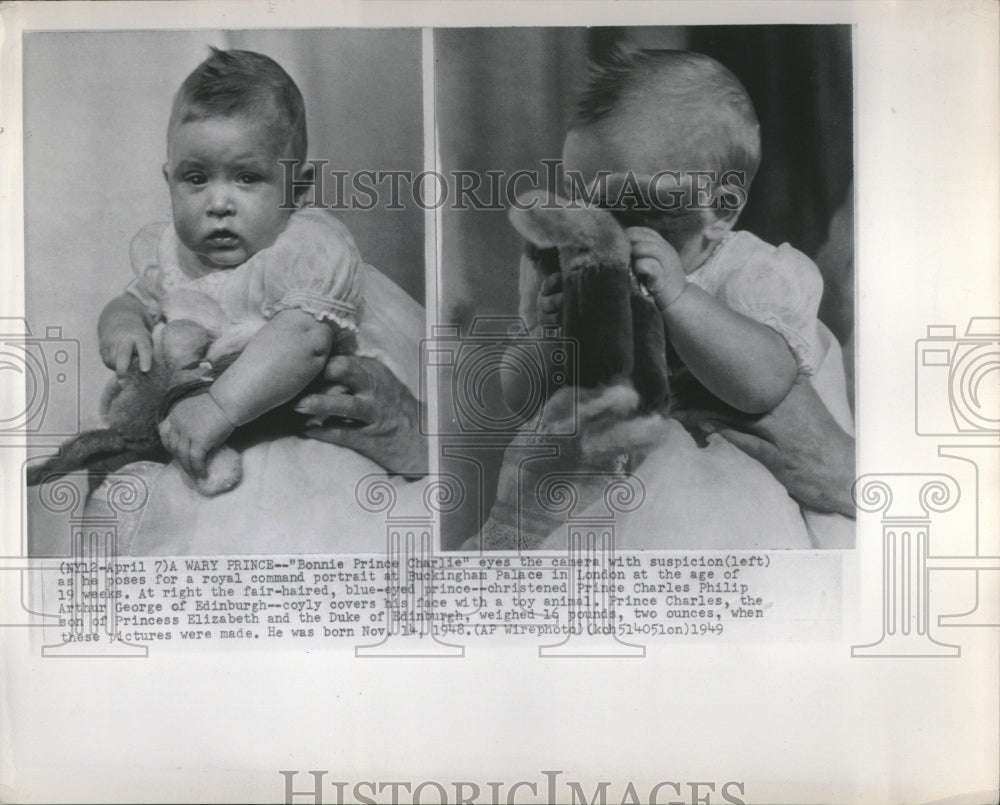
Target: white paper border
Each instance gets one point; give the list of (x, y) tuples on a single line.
[(801, 723)]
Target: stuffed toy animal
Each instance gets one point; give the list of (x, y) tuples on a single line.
[(617, 327), (133, 407), (623, 379)]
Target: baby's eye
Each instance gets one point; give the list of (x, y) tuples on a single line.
[(248, 178), (194, 178)]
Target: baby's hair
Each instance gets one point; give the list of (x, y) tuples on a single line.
[(698, 109), (241, 82)]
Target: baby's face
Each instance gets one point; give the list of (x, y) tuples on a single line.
[(589, 151), (226, 188)]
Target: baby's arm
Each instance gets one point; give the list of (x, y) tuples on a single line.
[(287, 353), (124, 328), (284, 356), (744, 363)]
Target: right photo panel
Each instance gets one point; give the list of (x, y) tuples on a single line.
[(646, 274)]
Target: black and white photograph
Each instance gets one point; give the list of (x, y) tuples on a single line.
[(184, 236), (585, 402), (606, 329)]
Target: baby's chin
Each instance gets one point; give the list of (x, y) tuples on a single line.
[(222, 259)]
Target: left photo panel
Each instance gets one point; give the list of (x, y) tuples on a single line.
[(223, 310)]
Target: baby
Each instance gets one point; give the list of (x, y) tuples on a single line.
[(272, 289), (739, 313), (669, 142)]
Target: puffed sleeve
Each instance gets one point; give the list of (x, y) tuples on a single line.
[(144, 252), (315, 267), (780, 288)]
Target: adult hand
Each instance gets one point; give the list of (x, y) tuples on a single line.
[(581, 436), (372, 412), (799, 442)]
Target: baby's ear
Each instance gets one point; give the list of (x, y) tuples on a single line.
[(166, 172), (547, 221)]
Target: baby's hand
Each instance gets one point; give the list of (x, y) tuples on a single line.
[(119, 342), (194, 427), (657, 265)]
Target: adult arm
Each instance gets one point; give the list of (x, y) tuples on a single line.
[(800, 443)]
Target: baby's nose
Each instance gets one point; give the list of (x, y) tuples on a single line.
[(220, 201)]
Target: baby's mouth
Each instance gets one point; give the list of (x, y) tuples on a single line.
[(223, 238)]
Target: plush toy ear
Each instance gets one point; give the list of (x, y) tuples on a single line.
[(583, 235), (619, 333)]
